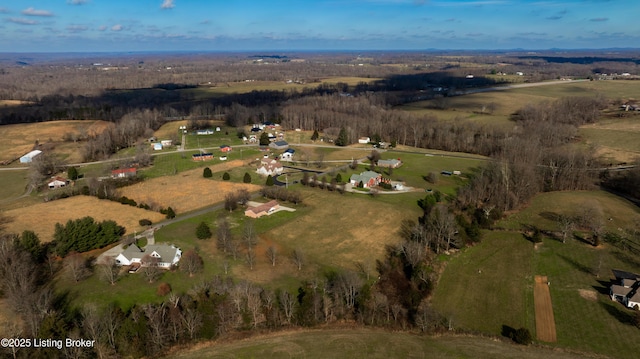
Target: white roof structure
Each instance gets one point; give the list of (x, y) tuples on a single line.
[(27, 158)]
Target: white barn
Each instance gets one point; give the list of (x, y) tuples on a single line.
[(27, 158)]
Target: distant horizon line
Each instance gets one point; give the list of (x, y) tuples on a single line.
[(555, 49)]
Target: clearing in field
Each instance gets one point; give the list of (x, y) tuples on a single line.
[(20, 139), (186, 191), (545, 323), (41, 218)]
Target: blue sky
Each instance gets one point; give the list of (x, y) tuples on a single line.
[(232, 25)]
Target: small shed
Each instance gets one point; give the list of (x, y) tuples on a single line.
[(157, 146), (225, 148)]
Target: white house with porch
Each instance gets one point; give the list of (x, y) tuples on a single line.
[(163, 255)]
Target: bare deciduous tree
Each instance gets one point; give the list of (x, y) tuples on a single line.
[(191, 262), (298, 258), (272, 254)]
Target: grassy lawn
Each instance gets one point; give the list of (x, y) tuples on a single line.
[(489, 285), (543, 207), (366, 343), (14, 184)]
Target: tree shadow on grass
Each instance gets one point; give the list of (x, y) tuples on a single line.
[(579, 266), (581, 238), (507, 331), (603, 288), (551, 216), (624, 316)]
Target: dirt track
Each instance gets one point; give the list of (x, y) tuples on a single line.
[(545, 323)]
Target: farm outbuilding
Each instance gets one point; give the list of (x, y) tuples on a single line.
[(279, 145), (27, 158), (225, 148), (202, 156), (57, 182), (124, 172)]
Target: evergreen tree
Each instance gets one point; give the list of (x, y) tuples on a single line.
[(264, 139), (170, 213), (246, 178), (226, 176), (270, 181), (339, 178), (203, 231), (315, 135), (206, 173), (343, 138), (72, 173)]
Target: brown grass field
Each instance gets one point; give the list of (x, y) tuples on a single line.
[(41, 218), (186, 191), (19, 139), (545, 323)]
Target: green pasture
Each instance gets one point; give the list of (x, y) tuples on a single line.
[(543, 209), (14, 184), (613, 89), (193, 141), (619, 139), (491, 284), (367, 343)]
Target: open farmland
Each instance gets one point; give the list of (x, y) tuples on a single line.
[(615, 139), (41, 218), (367, 343), (491, 284), (185, 191), (20, 139)]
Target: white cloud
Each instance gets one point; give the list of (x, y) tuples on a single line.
[(167, 4), (77, 28), (22, 21), (77, 2), (4, 10), (117, 27), (102, 28), (34, 12)]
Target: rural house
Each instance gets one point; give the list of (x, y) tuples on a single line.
[(27, 158), (364, 140), (269, 168), (627, 290), (368, 178), (264, 209), (287, 155), (124, 172), (225, 148), (58, 182), (164, 255)]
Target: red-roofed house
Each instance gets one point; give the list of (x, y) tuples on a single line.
[(58, 182)]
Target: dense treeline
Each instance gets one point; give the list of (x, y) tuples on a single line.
[(85, 234)]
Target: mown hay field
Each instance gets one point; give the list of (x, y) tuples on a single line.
[(366, 343), (20, 139), (616, 139), (187, 190), (41, 218)]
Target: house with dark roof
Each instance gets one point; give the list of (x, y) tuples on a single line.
[(288, 154), (626, 289)]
